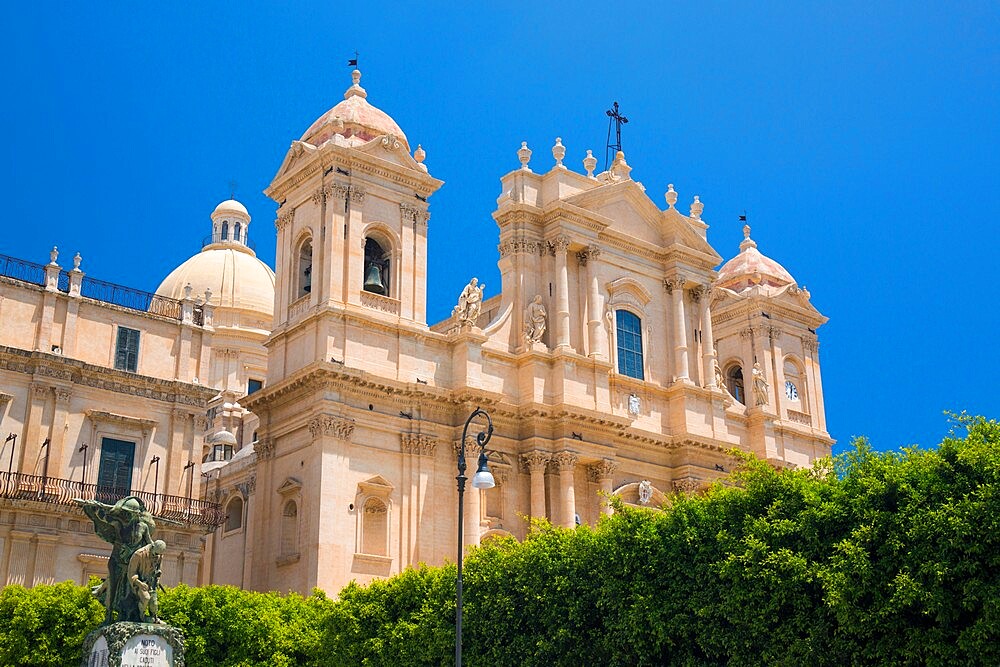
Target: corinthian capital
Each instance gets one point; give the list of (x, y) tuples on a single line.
[(536, 461), (601, 470), (565, 461), (675, 283)]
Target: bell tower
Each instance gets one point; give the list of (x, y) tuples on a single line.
[(352, 230)]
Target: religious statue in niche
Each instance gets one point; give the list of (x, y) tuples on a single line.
[(534, 321), (645, 491), (470, 303), (759, 385), (720, 377), (634, 404), (134, 567)]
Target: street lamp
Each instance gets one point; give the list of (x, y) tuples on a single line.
[(483, 479)]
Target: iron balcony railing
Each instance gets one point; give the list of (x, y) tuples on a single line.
[(99, 290), (22, 270), (189, 511), (217, 238)]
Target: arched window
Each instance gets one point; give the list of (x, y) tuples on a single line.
[(290, 529), (237, 230), (225, 230), (376, 278), (794, 387), (234, 514), (305, 268), (375, 528), (629, 335), (734, 382)]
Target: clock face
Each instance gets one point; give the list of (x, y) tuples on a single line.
[(791, 391)]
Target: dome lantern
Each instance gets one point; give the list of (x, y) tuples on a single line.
[(230, 226)]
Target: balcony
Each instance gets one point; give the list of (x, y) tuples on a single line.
[(98, 290), (55, 491)]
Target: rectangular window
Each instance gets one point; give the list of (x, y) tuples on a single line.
[(114, 476), (629, 330), (254, 385), (127, 350)]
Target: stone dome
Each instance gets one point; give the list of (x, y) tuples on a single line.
[(751, 268), (354, 119), (229, 268), (231, 206)]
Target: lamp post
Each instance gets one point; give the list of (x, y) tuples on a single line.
[(11, 437), (188, 466), (156, 479), (83, 475), (483, 479), (45, 468)]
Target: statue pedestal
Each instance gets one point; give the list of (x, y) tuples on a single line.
[(129, 644)]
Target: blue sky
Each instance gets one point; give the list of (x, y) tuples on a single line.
[(862, 138)]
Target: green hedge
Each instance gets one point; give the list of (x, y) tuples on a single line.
[(869, 559)]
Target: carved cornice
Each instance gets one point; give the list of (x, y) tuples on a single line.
[(138, 423), (337, 427), (38, 364), (535, 462), (419, 444), (596, 472)]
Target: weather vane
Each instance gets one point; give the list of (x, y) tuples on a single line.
[(616, 119), (232, 189), (353, 62)]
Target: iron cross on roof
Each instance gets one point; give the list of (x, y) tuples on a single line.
[(616, 119)]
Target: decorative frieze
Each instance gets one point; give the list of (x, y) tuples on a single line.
[(418, 444), (602, 470), (337, 427), (799, 418)]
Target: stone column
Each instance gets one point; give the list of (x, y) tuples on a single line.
[(19, 565), (814, 383), (32, 441), (559, 246), (473, 500), (707, 338), (56, 447), (535, 462), (566, 464), (45, 560), (601, 473), (777, 369), (597, 336), (675, 286)]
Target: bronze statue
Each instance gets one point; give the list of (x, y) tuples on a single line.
[(130, 588)]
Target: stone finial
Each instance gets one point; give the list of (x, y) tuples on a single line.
[(747, 241), (696, 208), (208, 294), (671, 195), (187, 291), (524, 155), (356, 89), (76, 261), (559, 152), (590, 163), (53, 256), (420, 155)]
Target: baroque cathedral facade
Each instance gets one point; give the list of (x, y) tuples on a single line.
[(315, 415)]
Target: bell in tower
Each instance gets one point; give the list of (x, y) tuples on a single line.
[(376, 267)]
